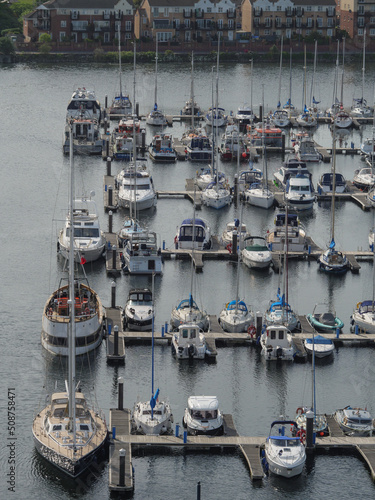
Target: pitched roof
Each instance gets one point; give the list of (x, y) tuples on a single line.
[(83, 4)]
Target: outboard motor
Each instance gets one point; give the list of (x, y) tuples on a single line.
[(279, 352), (191, 350)]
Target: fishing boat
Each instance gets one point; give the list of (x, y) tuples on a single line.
[(193, 233), (135, 186), (142, 254), (122, 147), (89, 240), (265, 134), (333, 261), (189, 342), (325, 183), (121, 105), (256, 253), (86, 136), (156, 117), (355, 421), (319, 345), (84, 101), (324, 321), (203, 416), (129, 128), (67, 432), (161, 149), (152, 417), (285, 454), (88, 310), (139, 310), (277, 343), (287, 225)]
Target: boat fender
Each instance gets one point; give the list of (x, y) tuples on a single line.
[(252, 331), (358, 305), (302, 435)]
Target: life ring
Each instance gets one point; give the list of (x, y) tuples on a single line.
[(251, 330), (299, 411), (358, 305), (302, 435), (229, 247)]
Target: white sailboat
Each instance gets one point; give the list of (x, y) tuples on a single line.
[(152, 417), (307, 118), (342, 118), (280, 117), (156, 117), (67, 432), (333, 261), (359, 107)]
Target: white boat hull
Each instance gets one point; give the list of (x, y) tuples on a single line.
[(259, 198)]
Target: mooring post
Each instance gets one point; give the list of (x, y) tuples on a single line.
[(122, 467), (260, 113), (162, 331), (120, 405), (110, 221), (185, 437), (109, 162), (199, 490), (309, 429), (137, 109), (166, 327), (114, 255), (234, 243), (143, 140), (113, 432), (177, 432), (110, 196), (337, 333), (113, 294), (115, 340)]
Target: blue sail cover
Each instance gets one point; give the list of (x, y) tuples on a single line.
[(314, 101), (332, 244), (154, 399), (231, 306)]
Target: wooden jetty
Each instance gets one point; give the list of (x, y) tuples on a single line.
[(113, 263), (125, 443), (113, 319)]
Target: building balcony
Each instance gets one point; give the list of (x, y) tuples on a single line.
[(159, 25), (199, 13), (331, 12), (79, 26), (43, 14), (188, 13), (289, 12), (231, 14), (258, 12)]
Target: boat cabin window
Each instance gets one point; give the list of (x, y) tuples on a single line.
[(274, 334), (57, 427), (300, 188), (139, 187), (84, 427), (84, 232), (285, 442), (204, 415), (193, 333), (185, 333), (361, 421)]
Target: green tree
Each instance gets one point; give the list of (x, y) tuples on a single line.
[(6, 45), (7, 18)]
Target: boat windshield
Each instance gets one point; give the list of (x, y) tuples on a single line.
[(84, 232), (360, 421), (300, 188), (290, 442), (204, 415), (133, 187)]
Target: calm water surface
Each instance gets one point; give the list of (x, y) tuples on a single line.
[(33, 201)]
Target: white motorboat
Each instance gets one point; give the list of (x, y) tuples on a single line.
[(86, 136), (84, 101), (142, 254), (299, 192), (135, 187), (276, 237), (277, 343), (152, 417), (189, 342), (363, 317), (371, 239), (89, 240), (67, 432), (305, 150), (161, 148), (187, 311), (325, 184), (256, 253), (233, 227), (236, 317), (216, 195), (280, 312), (290, 168), (319, 345), (285, 454), (130, 225), (355, 421), (244, 116), (364, 178), (193, 233), (367, 147), (203, 416), (156, 117), (139, 310)]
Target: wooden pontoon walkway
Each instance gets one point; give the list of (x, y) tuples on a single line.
[(249, 446)]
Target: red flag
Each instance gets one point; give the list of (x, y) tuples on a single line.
[(83, 260)]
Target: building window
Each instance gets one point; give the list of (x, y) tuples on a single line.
[(156, 11), (220, 24), (268, 8), (372, 20), (128, 36), (128, 25), (220, 10), (320, 8), (63, 24), (230, 24), (96, 12), (268, 22), (372, 32), (62, 36), (309, 22), (319, 22), (177, 10), (266, 32), (106, 37), (361, 21), (166, 11), (164, 36), (209, 10), (278, 8), (74, 14), (308, 8), (361, 10), (84, 36), (298, 22), (187, 23), (360, 32)]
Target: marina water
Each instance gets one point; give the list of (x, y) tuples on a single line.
[(34, 197)]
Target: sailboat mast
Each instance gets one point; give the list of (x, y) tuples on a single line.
[(71, 331), (342, 75), (304, 80), (281, 65), (192, 255), (363, 65), (192, 91), (333, 186), (156, 74), (290, 81), (251, 94), (217, 111), (152, 345), (119, 59), (134, 142), (313, 376), (336, 74), (313, 78)]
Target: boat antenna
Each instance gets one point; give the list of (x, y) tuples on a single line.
[(71, 329)]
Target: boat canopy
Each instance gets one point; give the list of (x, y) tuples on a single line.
[(190, 302), (231, 306), (292, 219), (197, 222)]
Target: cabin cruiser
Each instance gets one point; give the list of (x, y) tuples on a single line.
[(354, 421), (363, 317), (285, 452), (364, 178), (319, 346), (189, 342), (139, 309), (305, 150), (255, 253), (291, 167), (233, 227), (86, 136), (276, 237), (130, 226), (142, 255), (198, 146), (161, 148), (89, 241), (193, 233), (277, 344), (135, 187), (89, 317), (299, 192), (84, 101), (203, 416), (244, 116)]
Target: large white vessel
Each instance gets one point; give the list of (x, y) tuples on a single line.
[(136, 187), (203, 416)]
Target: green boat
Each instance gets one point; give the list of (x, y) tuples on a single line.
[(324, 321)]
